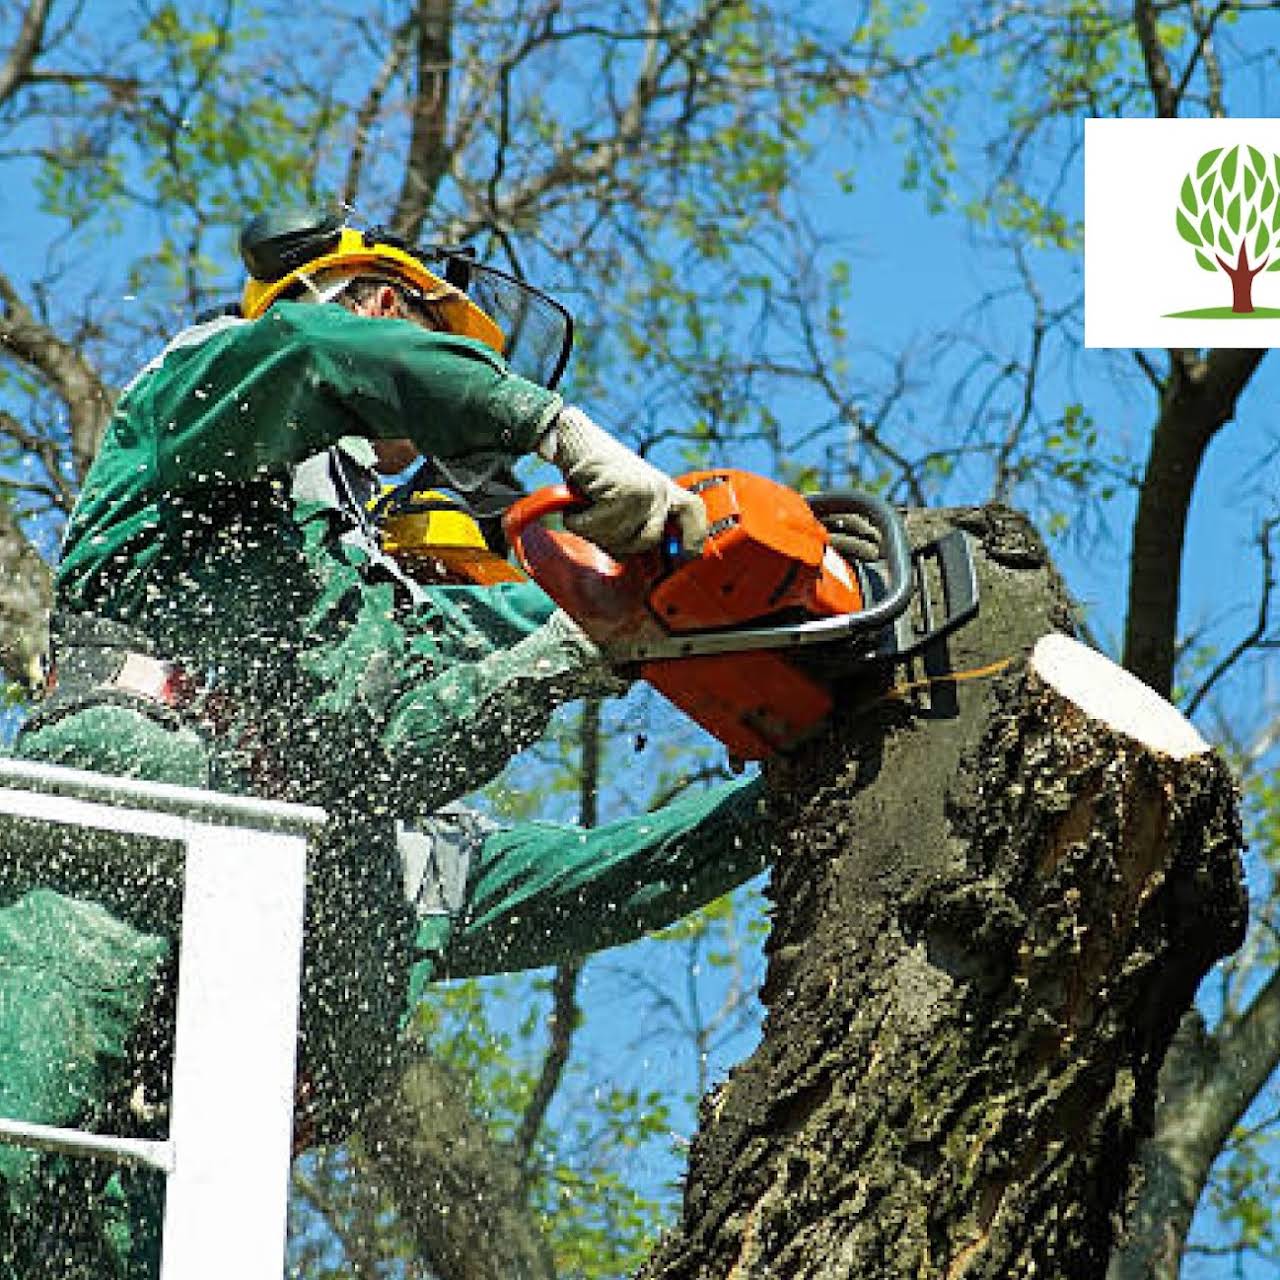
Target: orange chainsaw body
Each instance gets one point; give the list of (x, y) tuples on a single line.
[(767, 556)]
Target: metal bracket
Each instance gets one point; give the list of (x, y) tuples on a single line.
[(943, 567)]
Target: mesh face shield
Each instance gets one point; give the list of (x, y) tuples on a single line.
[(537, 330)]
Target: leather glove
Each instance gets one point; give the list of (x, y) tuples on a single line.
[(854, 536), (631, 500)]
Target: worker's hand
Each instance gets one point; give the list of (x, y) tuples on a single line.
[(631, 500), (854, 536)]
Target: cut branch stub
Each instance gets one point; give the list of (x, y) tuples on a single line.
[(995, 897)]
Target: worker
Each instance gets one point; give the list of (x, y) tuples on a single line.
[(226, 618)]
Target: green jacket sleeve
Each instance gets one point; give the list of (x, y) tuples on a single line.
[(255, 398), (543, 893), (456, 730)]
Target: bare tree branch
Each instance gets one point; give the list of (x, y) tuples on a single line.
[(17, 66), (371, 106), (1159, 78), (564, 1019), (1255, 635), (1198, 399), (429, 153), (73, 377)]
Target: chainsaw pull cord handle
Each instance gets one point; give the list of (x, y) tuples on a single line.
[(893, 538)]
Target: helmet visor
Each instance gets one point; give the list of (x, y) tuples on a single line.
[(537, 330)]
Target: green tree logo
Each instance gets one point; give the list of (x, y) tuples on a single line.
[(1228, 211)]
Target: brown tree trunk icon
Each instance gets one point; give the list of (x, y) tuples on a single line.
[(1241, 281)]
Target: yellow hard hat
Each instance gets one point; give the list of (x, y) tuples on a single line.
[(435, 538), (346, 252), (314, 254)]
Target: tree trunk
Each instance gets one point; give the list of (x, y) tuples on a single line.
[(1242, 292), (459, 1191), (24, 606), (996, 895), (1241, 281)]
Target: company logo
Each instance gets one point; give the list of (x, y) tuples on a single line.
[(1182, 233), (1229, 213)]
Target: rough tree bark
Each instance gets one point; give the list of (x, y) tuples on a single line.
[(996, 897), (24, 605)]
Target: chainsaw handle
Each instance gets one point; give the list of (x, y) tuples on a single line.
[(893, 540), (534, 508), (540, 504)]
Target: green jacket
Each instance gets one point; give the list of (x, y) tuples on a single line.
[(187, 530), (375, 697)]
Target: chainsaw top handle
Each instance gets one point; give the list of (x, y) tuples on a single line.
[(895, 553), (537, 506), (878, 615)]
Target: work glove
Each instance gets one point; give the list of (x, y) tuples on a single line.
[(854, 536), (631, 500)]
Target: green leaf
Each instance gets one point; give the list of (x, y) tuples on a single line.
[(1205, 263), (1187, 231), (1189, 196), (1262, 241), (1206, 227), (1233, 214), (1258, 160), (1275, 266), (1229, 168), (1202, 165), (1253, 217), (1223, 243), (1206, 187), (1268, 194), (1250, 184), (1219, 203)]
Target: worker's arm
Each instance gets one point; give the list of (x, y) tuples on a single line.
[(542, 893), (253, 399), (464, 707)]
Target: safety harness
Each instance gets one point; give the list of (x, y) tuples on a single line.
[(96, 661)]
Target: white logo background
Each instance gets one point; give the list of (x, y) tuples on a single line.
[(1137, 268)]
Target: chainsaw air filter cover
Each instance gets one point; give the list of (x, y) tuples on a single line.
[(766, 554)]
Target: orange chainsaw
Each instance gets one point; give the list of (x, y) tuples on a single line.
[(745, 636)]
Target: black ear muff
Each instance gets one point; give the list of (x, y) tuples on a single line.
[(274, 244), (457, 267)]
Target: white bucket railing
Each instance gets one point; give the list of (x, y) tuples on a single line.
[(243, 861)]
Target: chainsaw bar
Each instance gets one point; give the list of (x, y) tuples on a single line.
[(938, 579)]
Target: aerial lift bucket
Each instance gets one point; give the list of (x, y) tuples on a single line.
[(239, 867)]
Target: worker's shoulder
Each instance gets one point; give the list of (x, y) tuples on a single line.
[(197, 337)]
